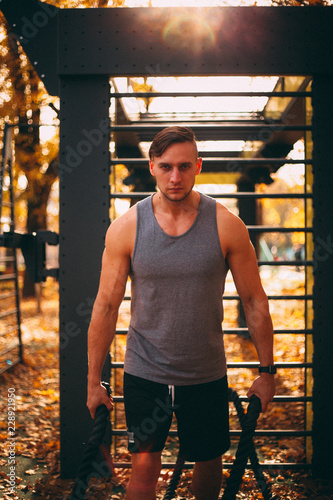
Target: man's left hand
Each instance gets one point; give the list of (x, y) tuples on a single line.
[(264, 388)]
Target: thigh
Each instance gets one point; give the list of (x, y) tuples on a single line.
[(202, 413), (148, 414)]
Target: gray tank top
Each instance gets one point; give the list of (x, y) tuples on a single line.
[(175, 335)]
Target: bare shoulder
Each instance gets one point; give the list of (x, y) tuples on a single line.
[(232, 230), (121, 232), (227, 220)]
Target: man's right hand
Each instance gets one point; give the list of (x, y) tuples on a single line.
[(97, 395)]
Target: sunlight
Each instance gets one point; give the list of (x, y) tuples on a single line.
[(194, 3), (190, 107), (293, 175)]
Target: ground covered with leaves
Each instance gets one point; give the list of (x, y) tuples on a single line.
[(37, 454)]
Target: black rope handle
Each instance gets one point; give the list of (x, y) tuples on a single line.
[(245, 449), (249, 423), (91, 449), (173, 483), (250, 449)]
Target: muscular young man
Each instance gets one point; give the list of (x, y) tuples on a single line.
[(177, 246)]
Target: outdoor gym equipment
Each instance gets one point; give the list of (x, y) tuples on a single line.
[(245, 450)]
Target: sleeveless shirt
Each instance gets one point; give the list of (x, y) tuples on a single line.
[(175, 335)]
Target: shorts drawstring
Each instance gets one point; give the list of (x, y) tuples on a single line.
[(172, 395)]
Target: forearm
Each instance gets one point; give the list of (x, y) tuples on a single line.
[(261, 330), (260, 326), (100, 336)]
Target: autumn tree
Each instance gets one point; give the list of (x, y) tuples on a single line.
[(22, 95)]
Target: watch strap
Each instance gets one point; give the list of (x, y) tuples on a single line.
[(268, 369)]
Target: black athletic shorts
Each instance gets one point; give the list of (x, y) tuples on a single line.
[(201, 411)]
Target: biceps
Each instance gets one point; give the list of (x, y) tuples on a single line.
[(113, 280), (245, 272)]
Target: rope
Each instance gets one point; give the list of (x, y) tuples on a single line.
[(173, 483), (91, 450), (249, 449), (246, 449)]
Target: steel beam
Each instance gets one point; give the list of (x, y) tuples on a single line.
[(34, 24), (172, 41), (323, 272), (84, 219), (200, 41)]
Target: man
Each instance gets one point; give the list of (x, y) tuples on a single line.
[(177, 247)]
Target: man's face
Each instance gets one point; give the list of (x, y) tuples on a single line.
[(175, 170)]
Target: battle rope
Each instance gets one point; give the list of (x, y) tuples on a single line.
[(91, 449), (245, 449), (173, 483)]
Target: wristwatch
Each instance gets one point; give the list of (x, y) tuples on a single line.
[(268, 369)]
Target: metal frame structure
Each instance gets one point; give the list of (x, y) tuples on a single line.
[(9, 283), (205, 127), (75, 52)]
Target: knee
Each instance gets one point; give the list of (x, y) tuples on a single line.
[(207, 479), (145, 472)]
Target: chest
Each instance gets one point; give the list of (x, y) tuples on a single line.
[(165, 258), (175, 226)]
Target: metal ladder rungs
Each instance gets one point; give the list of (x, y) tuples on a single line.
[(6, 185), (8, 313), (9, 348)]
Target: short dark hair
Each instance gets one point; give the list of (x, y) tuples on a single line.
[(168, 136)]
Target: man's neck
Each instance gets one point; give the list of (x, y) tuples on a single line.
[(176, 208)]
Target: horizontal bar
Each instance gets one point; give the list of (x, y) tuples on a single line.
[(31, 125), (10, 348), (236, 432), (222, 161), (290, 297), (280, 331), (276, 399), (271, 297), (7, 295), (7, 277), (255, 364), (280, 229), (297, 263), (7, 259), (211, 94), (216, 118), (243, 364), (226, 465), (241, 331), (7, 204), (53, 273), (10, 330), (211, 126), (8, 313), (258, 196)]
